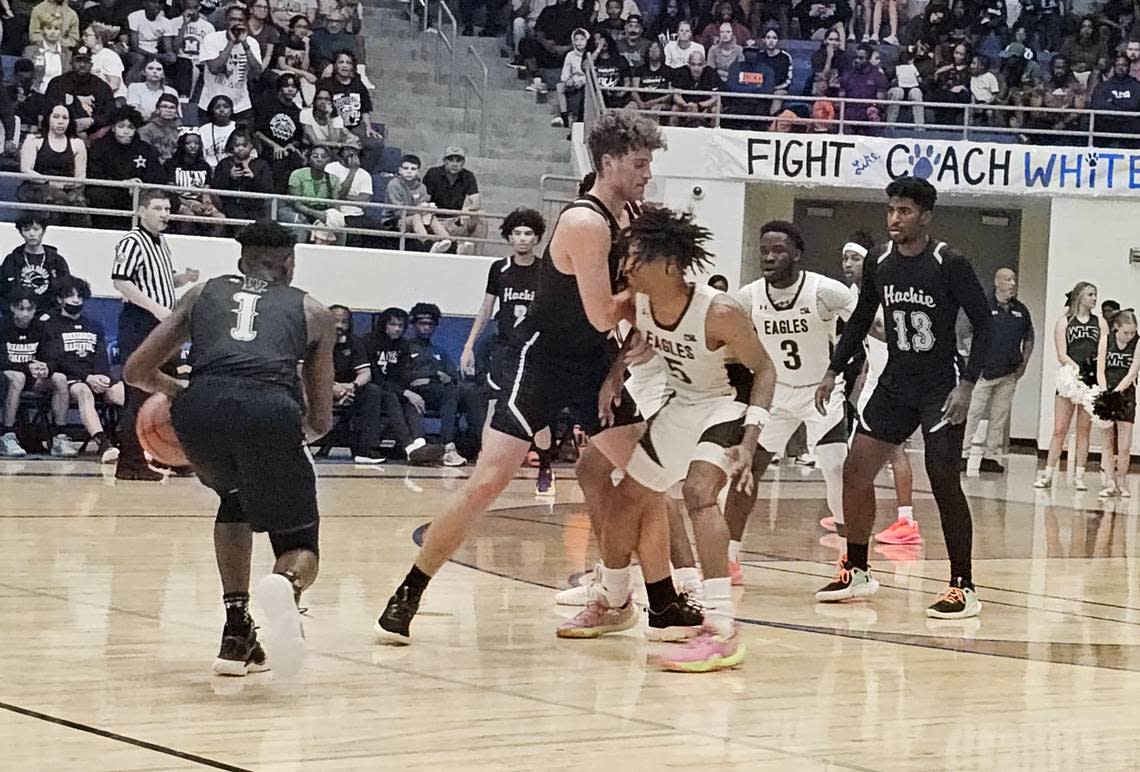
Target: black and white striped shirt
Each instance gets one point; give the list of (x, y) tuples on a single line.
[(144, 260)]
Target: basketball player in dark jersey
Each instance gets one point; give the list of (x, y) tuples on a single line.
[(243, 422), (564, 359), (921, 284), (511, 284)]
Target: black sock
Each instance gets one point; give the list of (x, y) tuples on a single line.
[(416, 581), (962, 581), (946, 484), (544, 455), (237, 610), (566, 120), (857, 555), (661, 594)]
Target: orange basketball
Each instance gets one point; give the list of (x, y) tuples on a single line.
[(156, 432)]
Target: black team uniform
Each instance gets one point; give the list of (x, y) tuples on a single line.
[(400, 418), (349, 358), (921, 296)]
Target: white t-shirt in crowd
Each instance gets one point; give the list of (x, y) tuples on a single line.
[(214, 140), (907, 75), (53, 67), (321, 132), (150, 32), (196, 32), (233, 81), (985, 88), (675, 56), (361, 183), (105, 63), (145, 100)]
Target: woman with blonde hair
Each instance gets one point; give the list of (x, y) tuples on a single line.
[(1080, 337), (106, 64)]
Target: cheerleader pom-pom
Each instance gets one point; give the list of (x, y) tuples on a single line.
[(1069, 383), (1087, 374), (1111, 406)]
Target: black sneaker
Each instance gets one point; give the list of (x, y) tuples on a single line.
[(989, 465), (240, 653), (392, 626), (958, 602), (426, 454), (679, 620)]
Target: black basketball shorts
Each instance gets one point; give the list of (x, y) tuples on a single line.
[(892, 414), (246, 440), (540, 383)]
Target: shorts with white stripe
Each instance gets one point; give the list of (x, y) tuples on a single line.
[(684, 431), (540, 384)]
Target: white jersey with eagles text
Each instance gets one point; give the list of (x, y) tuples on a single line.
[(796, 324), (694, 371)]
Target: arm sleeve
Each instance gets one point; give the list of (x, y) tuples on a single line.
[(859, 324), (493, 278), (972, 299), (790, 65)]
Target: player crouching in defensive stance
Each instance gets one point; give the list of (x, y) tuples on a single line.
[(702, 434), (243, 423)]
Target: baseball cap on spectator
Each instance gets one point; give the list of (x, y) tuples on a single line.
[(454, 151), (81, 51), (751, 45), (1015, 49), (633, 17)]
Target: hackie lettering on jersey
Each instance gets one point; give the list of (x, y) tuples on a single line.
[(893, 296), (517, 296), (666, 346)]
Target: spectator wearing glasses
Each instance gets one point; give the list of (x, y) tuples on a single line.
[(164, 128), (144, 96), (263, 30), (106, 64)]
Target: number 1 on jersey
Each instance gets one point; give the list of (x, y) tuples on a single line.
[(246, 312)]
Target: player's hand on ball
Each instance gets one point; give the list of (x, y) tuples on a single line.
[(823, 392), (957, 405)]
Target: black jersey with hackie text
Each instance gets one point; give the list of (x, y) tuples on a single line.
[(242, 327), (514, 287), (920, 296)]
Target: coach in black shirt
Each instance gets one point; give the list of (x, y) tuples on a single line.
[(1003, 365), (354, 393)]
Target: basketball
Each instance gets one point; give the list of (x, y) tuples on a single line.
[(156, 432)]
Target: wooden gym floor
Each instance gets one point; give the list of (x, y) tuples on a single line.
[(112, 617)]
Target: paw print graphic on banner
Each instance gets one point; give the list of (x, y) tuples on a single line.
[(922, 162)]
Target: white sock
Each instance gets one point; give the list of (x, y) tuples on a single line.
[(720, 611), (829, 461), (683, 576), (1047, 471), (906, 513), (1080, 471), (615, 585), (734, 551)]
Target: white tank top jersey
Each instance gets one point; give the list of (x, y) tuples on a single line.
[(694, 372), (875, 348), (798, 333)]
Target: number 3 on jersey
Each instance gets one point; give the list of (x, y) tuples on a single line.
[(791, 349), (246, 313), (923, 337)]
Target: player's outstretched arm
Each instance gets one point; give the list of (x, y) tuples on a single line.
[(583, 240), (143, 369), (317, 371)]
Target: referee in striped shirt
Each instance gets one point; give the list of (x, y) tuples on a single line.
[(143, 274)]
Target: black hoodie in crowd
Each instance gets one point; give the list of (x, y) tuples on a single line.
[(36, 272), (19, 347), (109, 159), (75, 347)]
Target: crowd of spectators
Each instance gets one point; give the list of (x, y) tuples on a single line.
[(1033, 57)]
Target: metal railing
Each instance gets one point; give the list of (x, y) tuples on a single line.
[(1088, 134), (273, 201), (451, 44), (557, 191), (481, 93)]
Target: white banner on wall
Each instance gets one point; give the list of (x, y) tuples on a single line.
[(951, 166)]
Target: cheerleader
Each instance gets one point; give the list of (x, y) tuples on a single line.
[(1118, 404), (1080, 337)]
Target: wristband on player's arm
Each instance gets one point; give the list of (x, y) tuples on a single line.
[(756, 416)]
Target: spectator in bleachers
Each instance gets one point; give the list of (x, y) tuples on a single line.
[(677, 51), (293, 57), (951, 83), (434, 376), (863, 82), (1042, 19), (780, 61), (351, 100), (906, 86), (143, 96), (725, 53), (829, 62), (89, 99), (403, 408), (991, 18), (725, 12), (451, 186), (406, 189), (106, 64), (696, 77), (613, 22), (543, 54), (571, 85), (164, 127), (753, 75), (1061, 91), (49, 56), (329, 40), (189, 30), (961, 25), (354, 393), (22, 366), (283, 11), (262, 29), (628, 8), (240, 171), (110, 13), (56, 152), (653, 74), (632, 45), (933, 25), (121, 155), (1120, 93), (1132, 51), (152, 36), (27, 104), (188, 168), (1084, 50), (349, 11), (876, 21), (278, 129), (818, 17), (667, 24), (611, 69), (323, 126), (524, 17), (75, 350), (233, 61), (984, 88), (215, 132), (57, 12), (355, 185), (34, 266), (312, 181)]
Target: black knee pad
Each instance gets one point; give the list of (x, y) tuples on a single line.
[(303, 538), (229, 510)]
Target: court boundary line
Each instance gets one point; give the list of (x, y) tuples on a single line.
[(121, 738)]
